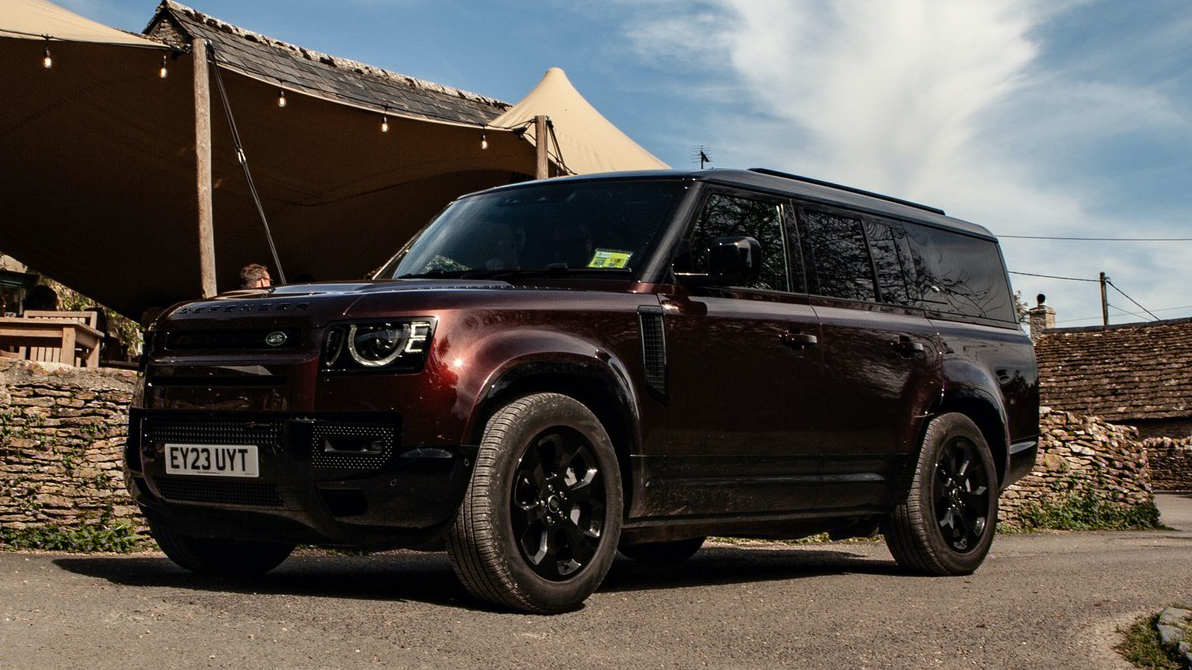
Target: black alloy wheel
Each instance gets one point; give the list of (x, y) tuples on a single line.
[(946, 523), (961, 494), (557, 505), (539, 524)]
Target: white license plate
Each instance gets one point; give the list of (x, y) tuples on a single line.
[(219, 460)]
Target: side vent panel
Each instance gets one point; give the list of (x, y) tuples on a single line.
[(653, 347)]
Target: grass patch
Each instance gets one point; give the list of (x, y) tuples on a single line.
[(1142, 647), (120, 537), (1088, 510)]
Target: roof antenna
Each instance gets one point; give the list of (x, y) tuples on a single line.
[(700, 153)]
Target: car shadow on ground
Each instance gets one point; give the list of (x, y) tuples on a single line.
[(720, 565), (428, 577)]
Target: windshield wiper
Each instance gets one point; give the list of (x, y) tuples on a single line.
[(550, 270)]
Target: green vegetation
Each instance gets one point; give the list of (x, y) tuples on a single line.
[(1142, 647), (118, 537), (1088, 510)]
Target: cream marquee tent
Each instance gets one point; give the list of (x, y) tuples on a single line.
[(98, 161)]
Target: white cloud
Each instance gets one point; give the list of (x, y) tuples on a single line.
[(937, 100)]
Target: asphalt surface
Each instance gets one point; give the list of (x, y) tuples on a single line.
[(1051, 600)]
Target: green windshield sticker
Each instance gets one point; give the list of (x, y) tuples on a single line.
[(607, 258)]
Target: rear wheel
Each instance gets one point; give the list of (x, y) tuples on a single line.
[(538, 527), (946, 524), (675, 551), (227, 558)]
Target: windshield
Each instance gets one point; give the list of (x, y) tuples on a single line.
[(593, 226)]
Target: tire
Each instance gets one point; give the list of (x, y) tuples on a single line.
[(946, 524), (675, 551), (224, 558), (539, 524)]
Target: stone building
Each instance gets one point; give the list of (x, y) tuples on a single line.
[(1136, 374)]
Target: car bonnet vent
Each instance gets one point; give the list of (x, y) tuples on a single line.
[(653, 347)]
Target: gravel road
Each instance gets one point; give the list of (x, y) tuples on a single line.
[(1050, 600)]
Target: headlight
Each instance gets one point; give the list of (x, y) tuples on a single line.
[(398, 345)]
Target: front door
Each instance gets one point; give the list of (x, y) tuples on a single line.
[(742, 362)]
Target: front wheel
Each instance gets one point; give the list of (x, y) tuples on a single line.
[(539, 524), (225, 558), (946, 524)]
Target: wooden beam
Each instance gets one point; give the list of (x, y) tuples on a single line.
[(542, 142), (203, 168)]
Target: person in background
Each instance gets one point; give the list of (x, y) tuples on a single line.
[(41, 297), (255, 275)]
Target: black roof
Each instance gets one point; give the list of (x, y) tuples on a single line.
[(298, 69), (805, 189)]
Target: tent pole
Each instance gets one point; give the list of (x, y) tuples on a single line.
[(541, 140), (203, 168)]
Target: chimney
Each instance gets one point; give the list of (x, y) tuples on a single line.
[(1041, 317)]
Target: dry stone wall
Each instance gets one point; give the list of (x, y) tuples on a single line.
[(62, 430), (1171, 463), (62, 433), (1081, 455)]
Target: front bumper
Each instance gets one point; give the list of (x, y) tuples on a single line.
[(317, 484)]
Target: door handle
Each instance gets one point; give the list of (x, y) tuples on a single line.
[(906, 347), (799, 340)]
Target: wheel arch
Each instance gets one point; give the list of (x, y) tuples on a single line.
[(990, 416), (599, 385)]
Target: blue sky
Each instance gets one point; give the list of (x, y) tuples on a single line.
[(1048, 117)]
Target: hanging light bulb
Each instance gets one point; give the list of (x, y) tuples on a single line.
[(163, 72), (47, 62), (281, 97), (483, 140), (385, 124)]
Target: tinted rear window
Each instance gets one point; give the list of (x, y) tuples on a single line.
[(959, 274)]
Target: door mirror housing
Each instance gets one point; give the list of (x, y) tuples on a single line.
[(734, 261)]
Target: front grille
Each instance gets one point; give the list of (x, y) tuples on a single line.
[(213, 431), (263, 338), (240, 494)]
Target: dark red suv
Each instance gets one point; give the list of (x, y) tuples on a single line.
[(554, 371)]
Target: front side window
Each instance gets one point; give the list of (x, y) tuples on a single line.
[(590, 227), (836, 256), (734, 216)]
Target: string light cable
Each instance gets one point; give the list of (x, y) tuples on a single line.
[(360, 102)]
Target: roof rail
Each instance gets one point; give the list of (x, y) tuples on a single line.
[(850, 189)]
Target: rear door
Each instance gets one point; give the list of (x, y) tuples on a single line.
[(881, 360)]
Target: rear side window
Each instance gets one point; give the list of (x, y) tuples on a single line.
[(887, 245), (835, 256), (734, 216), (959, 274)]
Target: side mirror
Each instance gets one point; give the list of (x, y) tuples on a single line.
[(734, 261)]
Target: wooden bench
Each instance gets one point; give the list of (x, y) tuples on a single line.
[(54, 337)]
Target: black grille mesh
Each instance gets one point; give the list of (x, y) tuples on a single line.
[(240, 494), (653, 348), (321, 458), (213, 431)]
